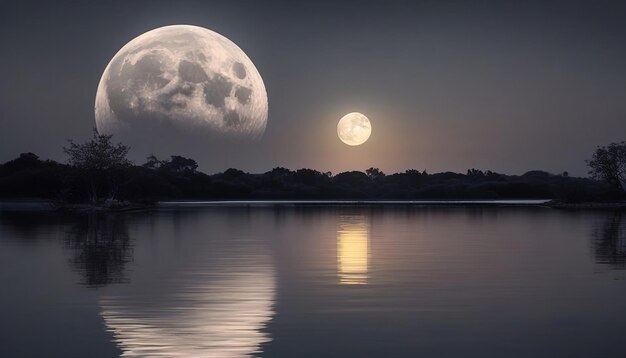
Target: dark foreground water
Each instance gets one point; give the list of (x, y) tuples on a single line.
[(297, 281)]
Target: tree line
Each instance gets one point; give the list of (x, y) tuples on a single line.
[(98, 171)]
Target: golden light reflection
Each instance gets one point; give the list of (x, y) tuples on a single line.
[(353, 250)]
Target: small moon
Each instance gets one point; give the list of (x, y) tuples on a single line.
[(354, 129), (181, 77)]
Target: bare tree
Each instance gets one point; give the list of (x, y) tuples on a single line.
[(609, 164), (100, 162)]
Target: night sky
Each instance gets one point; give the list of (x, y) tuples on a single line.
[(447, 85)]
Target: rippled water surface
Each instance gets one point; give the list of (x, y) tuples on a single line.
[(321, 281)]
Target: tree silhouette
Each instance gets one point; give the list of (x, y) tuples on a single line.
[(101, 248), (180, 164), (475, 173), (374, 173), (610, 241), (177, 164), (99, 168), (100, 163), (609, 164), (152, 162)]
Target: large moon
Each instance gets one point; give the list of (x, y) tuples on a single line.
[(354, 129), (182, 77)]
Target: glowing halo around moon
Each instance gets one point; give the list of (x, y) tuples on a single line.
[(182, 77), (354, 129)]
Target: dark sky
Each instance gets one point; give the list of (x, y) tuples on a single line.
[(506, 86)]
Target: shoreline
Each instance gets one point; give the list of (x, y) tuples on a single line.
[(207, 203), (588, 206), (43, 205)]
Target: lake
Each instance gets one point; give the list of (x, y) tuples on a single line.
[(313, 281)]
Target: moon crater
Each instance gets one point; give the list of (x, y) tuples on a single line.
[(354, 129), (184, 76)]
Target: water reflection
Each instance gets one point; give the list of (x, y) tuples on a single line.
[(196, 296), (101, 249), (353, 250), (223, 317), (610, 241), (237, 282)]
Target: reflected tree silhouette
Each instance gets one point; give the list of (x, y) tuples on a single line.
[(101, 249), (610, 242)]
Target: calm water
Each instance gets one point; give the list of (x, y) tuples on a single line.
[(317, 281)]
